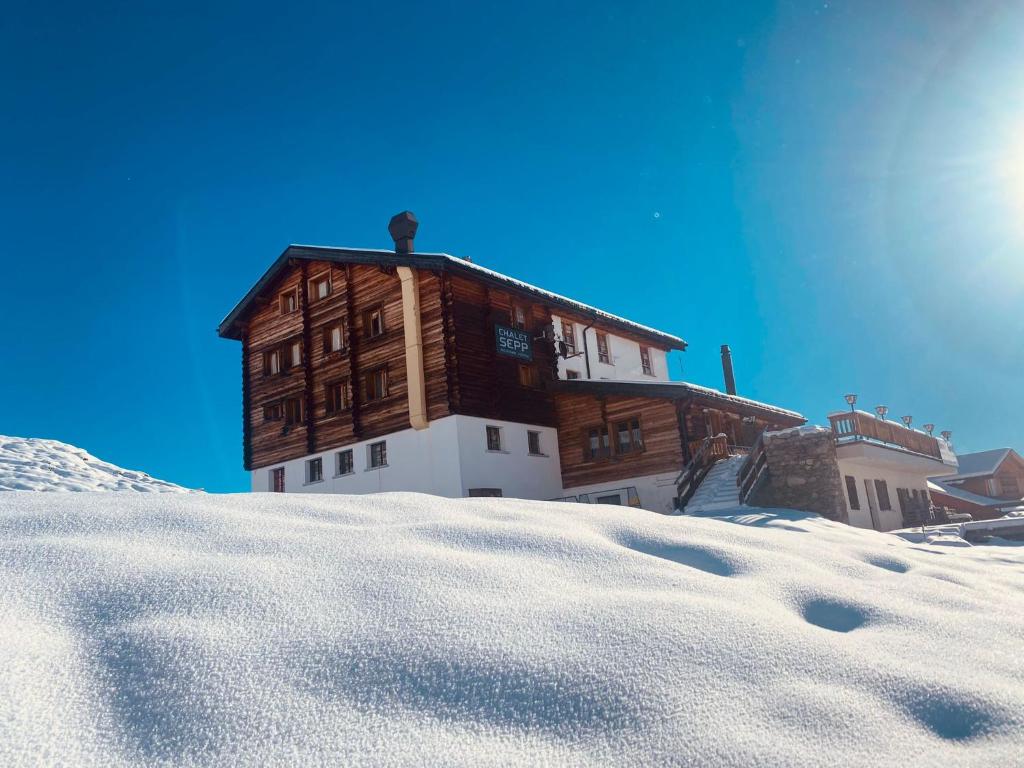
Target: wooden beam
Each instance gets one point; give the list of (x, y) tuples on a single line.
[(307, 361)]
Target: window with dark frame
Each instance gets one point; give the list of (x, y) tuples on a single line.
[(272, 412), (320, 287), (484, 493), (569, 337), (378, 454), (346, 465), (851, 491), (272, 362), (533, 442), (882, 491), (519, 316), (602, 348), (629, 438), (292, 411), (373, 322), (277, 480), (645, 360), (336, 397), (334, 338), (314, 470), (597, 444), (493, 438), (375, 384), (289, 301), (572, 374)]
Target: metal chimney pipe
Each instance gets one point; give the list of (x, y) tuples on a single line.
[(403, 228), (730, 378)]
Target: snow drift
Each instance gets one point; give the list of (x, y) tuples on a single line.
[(32, 464), (402, 629)]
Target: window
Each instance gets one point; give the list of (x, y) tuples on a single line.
[(572, 374), (602, 348), (320, 287), (597, 445), (314, 470), (485, 492), (289, 301), (628, 436), (527, 375), (277, 480), (1007, 487), (272, 412), (292, 411), (569, 337), (493, 438), (336, 397), (882, 491), (645, 360), (378, 454), (334, 338), (346, 466), (294, 354), (533, 442), (519, 317), (376, 384), (373, 322), (903, 497), (610, 499), (272, 362), (851, 491)]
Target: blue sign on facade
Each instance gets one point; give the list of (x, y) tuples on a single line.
[(513, 342)]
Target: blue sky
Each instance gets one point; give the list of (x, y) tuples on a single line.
[(834, 189)]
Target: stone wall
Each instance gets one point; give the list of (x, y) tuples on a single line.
[(802, 472)]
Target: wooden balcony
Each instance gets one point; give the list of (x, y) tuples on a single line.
[(858, 425)]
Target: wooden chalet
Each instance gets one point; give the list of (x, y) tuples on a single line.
[(368, 370)]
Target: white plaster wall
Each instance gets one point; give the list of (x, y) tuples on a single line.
[(424, 461), (875, 463), (624, 355), (518, 474), (657, 492), (446, 459)]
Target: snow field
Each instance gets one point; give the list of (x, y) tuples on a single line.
[(402, 629)]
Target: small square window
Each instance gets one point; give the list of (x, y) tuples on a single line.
[(292, 411), (533, 442), (272, 412), (378, 454), (572, 375), (373, 322), (314, 470), (336, 397), (320, 287), (346, 466), (528, 375), (289, 302), (493, 438), (376, 384)]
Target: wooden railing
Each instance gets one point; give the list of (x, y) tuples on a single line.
[(752, 469), (858, 425), (710, 450)]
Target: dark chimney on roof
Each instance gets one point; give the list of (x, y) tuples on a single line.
[(403, 229), (730, 379)]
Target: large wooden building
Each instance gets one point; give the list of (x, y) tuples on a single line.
[(370, 370)]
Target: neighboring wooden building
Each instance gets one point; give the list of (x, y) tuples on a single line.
[(366, 370), (985, 485)]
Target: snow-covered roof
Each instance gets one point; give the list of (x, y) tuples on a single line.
[(437, 261), (675, 389), (979, 464)]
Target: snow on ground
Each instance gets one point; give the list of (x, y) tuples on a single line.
[(401, 629), (32, 464)]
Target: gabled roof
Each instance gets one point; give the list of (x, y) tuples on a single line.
[(441, 262), (677, 390), (980, 464), (936, 486)]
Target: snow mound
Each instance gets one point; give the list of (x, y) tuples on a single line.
[(401, 629), (32, 464)]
